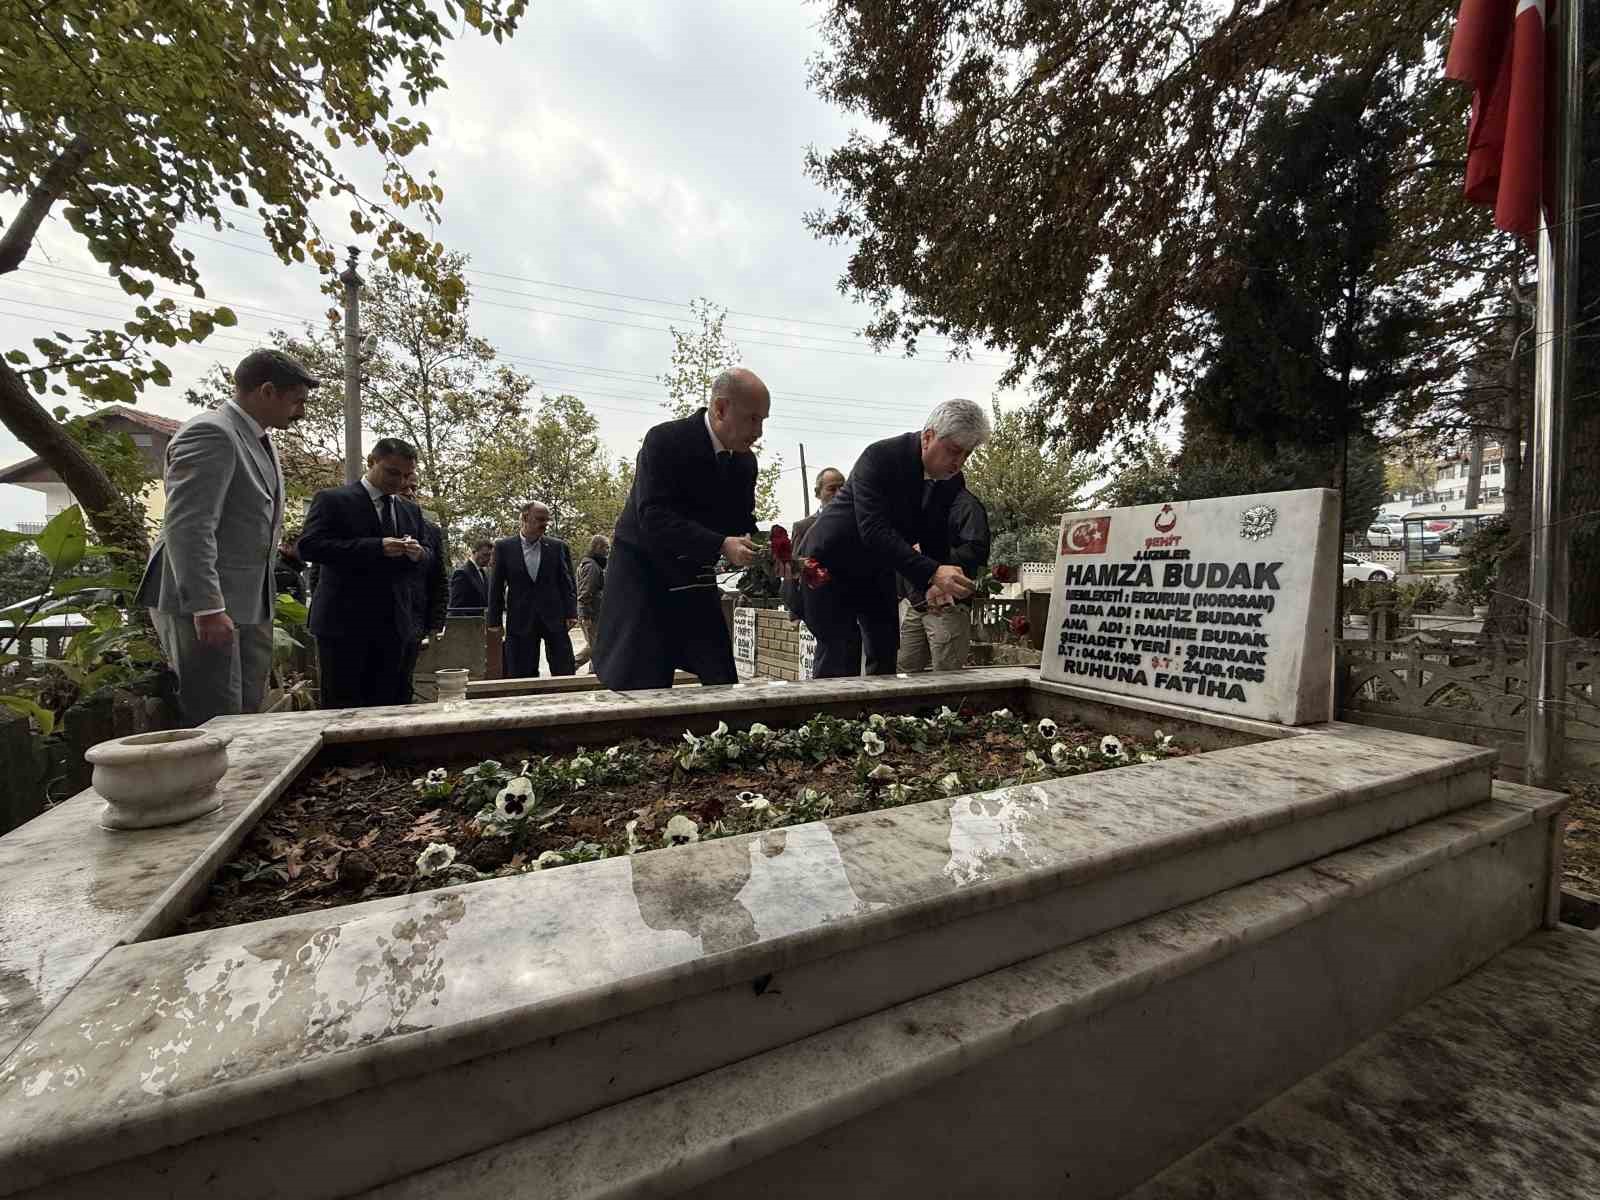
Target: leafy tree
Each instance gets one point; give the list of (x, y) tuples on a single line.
[(1024, 485), (138, 118), (1051, 180), (555, 457), (699, 355), (427, 380)]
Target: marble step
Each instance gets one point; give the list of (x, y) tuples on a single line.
[(1081, 1072), (228, 1055)]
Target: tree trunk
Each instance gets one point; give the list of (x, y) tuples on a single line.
[(1474, 471), (1508, 605), (108, 512)]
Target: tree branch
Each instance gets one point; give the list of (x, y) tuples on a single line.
[(18, 237)]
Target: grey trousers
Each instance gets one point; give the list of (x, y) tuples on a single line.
[(216, 682), (943, 635)]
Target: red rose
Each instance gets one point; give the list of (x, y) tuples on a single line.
[(813, 574), (782, 549), (1019, 625), (1004, 573)]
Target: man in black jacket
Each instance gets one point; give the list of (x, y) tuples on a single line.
[(531, 587), (693, 500), (372, 586), (897, 497), (942, 634), (829, 481), (469, 586)]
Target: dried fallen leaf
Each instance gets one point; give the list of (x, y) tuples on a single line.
[(330, 865), (368, 838), (518, 861), (427, 828)]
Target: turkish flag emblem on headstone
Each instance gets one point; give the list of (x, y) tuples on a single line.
[(1499, 48), (1086, 536)]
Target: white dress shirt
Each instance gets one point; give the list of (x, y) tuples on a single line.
[(716, 442), (532, 555), (377, 504)]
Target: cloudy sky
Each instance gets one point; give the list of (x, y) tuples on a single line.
[(612, 162)]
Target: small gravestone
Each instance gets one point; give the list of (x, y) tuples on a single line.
[(807, 654), (744, 636), (1225, 605)]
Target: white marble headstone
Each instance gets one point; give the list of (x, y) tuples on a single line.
[(1225, 605), (744, 636), (808, 654)]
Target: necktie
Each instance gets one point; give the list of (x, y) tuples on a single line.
[(388, 517)]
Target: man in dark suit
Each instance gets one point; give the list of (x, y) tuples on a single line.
[(531, 586), (829, 481), (693, 500), (942, 634), (372, 589), (897, 497), (469, 586), (433, 602)]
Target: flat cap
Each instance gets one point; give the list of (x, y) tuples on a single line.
[(274, 367)]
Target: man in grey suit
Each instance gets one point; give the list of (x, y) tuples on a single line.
[(209, 582)]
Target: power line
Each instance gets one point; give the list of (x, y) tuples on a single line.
[(512, 356)]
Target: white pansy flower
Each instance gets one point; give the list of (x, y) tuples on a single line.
[(1111, 746), (1060, 752), (881, 773), (1145, 756), (614, 751), (680, 831), (437, 776), (1163, 740), (759, 732), (877, 721), (1032, 759), (950, 784), (579, 784), (549, 859), (632, 830), (872, 743), (515, 799), (946, 713), (929, 722), (810, 796), (898, 793), (803, 733), (582, 764), (435, 858), (1081, 751), (754, 801), (1003, 713), (1048, 729)]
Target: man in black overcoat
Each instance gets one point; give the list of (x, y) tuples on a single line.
[(693, 501), (371, 594), (531, 587), (897, 498)]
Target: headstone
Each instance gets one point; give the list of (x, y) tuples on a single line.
[(1225, 605), (744, 636), (807, 654)]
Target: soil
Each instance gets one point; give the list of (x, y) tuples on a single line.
[(351, 833)]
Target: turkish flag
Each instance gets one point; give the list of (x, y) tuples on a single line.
[(1498, 48)]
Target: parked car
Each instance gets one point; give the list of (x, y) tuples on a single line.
[(1359, 570), (1385, 535)]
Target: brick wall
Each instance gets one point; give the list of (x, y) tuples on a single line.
[(777, 645)]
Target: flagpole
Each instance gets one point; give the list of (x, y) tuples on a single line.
[(1558, 279)]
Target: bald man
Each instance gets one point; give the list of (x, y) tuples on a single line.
[(693, 502)]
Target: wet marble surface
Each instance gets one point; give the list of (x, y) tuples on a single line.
[(1490, 1089), (233, 1024), (680, 1139)]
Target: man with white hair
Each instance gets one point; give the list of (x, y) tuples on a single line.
[(897, 498), (693, 501)]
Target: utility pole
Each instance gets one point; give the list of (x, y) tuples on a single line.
[(805, 480), (352, 369)]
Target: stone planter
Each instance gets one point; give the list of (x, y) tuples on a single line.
[(159, 778)]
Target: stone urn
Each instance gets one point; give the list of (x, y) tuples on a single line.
[(160, 778)]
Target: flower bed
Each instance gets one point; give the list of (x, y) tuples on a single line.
[(359, 832)]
